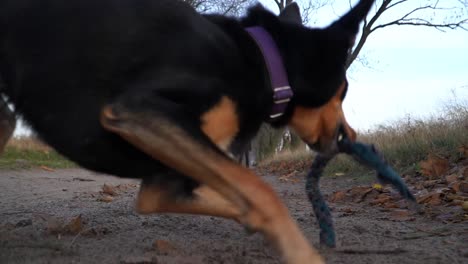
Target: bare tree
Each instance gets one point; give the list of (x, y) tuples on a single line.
[(308, 7), (225, 7), (428, 13)]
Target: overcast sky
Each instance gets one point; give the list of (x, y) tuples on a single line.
[(413, 71)]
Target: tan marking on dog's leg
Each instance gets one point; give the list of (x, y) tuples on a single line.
[(257, 203), (154, 199), (221, 123)]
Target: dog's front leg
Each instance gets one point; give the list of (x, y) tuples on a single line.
[(194, 155)]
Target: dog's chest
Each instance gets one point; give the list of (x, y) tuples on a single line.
[(221, 123)]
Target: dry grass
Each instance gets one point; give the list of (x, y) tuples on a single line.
[(287, 155), (409, 141), (28, 143), (29, 152), (404, 143)]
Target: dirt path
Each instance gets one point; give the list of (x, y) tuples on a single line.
[(39, 209)]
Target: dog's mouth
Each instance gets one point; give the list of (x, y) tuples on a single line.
[(340, 143)]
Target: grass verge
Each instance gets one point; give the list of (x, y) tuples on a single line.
[(28, 152), (404, 144)]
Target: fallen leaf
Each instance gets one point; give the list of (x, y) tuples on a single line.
[(430, 198), (75, 226), (285, 178), (338, 196), (47, 168), (452, 197), (429, 184), (455, 186), (381, 200), (435, 199), (109, 189), (401, 215), (451, 178), (390, 205), (163, 246), (106, 199), (463, 151), (54, 225), (359, 193), (464, 187), (377, 186), (465, 206), (456, 202), (434, 166)]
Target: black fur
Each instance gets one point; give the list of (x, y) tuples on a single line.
[(62, 61)]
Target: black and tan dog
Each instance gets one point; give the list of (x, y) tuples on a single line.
[(153, 90)]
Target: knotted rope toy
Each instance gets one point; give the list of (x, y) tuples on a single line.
[(363, 153)]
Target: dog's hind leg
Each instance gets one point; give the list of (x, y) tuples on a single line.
[(7, 123), (195, 156), (204, 201)]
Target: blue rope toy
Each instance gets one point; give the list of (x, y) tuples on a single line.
[(364, 154)]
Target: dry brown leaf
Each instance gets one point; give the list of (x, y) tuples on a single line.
[(433, 198), (434, 166), (338, 196), (390, 205), (401, 215), (456, 197), (163, 246), (381, 200), (109, 189), (47, 168), (451, 178), (465, 173), (106, 198), (54, 225), (75, 226), (430, 183), (464, 187), (359, 193), (455, 186), (463, 151), (465, 206)]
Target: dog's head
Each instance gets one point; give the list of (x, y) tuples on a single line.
[(317, 73)]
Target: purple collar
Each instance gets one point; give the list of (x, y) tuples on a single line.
[(282, 92)]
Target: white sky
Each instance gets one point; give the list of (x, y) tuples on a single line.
[(413, 70)]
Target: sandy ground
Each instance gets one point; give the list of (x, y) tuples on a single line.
[(37, 208)]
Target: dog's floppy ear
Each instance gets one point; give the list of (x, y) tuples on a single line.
[(349, 23), (292, 14)]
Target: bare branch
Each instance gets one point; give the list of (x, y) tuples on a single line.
[(396, 3), (225, 7), (422, 22), (415, 16)]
